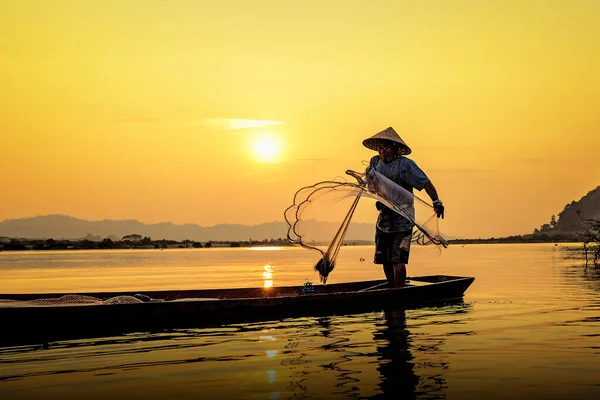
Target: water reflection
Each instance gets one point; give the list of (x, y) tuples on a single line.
[(592, 275), (579, 274), (372, 355), (325, 323), (398, 378), (267, 276), (412, 356)]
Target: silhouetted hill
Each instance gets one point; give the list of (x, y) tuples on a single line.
[(67, 227), (588, 207)]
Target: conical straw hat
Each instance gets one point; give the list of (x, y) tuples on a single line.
[(388, 134)]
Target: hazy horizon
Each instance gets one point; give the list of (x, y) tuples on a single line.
[(360, 228)]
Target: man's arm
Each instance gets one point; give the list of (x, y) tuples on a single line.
[(437, 203)]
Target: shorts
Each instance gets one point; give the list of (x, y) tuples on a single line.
[(392, 248)]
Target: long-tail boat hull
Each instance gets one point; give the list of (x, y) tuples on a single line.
[(24, 324)]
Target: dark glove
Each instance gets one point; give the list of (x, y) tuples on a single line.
[(439, 209)]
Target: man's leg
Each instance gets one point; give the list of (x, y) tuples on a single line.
[(399, 275), (400, 257), (384, 243), (388, 270)]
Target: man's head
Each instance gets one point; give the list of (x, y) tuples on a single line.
[(387, 142), (388, 150)]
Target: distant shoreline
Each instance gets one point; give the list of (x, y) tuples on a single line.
[(148, 244)]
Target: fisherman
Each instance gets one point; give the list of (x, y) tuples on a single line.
[(393, 232)]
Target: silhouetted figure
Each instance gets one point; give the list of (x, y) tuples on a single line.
[(398, 379), (393, 232)]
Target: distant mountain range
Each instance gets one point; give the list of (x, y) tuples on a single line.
[(67, 227)]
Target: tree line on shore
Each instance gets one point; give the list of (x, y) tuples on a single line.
[(139, 242), (128, 242)]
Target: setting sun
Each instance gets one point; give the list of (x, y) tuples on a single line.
[(266, 148)]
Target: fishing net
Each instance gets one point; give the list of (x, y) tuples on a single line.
[(80, 300), (328, 199), (69, 300)]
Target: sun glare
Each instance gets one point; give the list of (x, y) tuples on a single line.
[(266, 148), (267, 276)]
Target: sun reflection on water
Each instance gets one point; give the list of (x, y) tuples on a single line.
[(267, 276)]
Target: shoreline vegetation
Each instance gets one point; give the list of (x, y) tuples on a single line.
[(588, 238), (128, 243), (138, 242)]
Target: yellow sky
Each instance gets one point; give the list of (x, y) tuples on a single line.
[(128, 109)]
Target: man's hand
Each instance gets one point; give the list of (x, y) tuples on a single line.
[(439, 210), (437, 203)]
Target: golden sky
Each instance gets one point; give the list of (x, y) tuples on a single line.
[(156, 110)]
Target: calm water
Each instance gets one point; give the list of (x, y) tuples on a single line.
[(529, 327)]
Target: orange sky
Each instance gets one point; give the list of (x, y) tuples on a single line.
[(133, 109)]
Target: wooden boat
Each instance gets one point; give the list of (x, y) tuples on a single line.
[(25, 321)]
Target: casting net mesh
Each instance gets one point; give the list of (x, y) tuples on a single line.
[(330, 198)]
